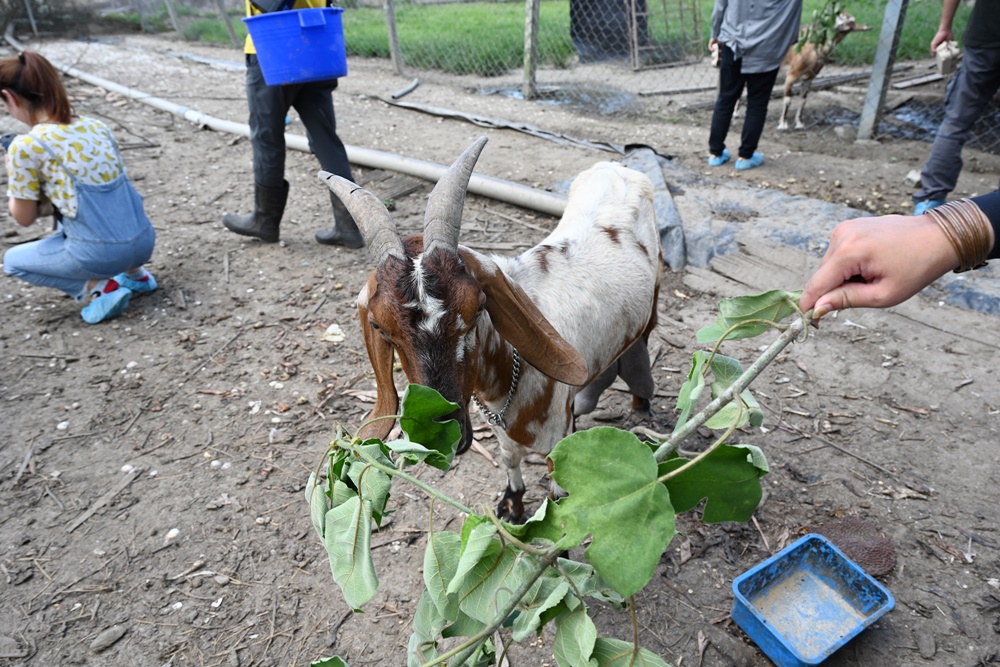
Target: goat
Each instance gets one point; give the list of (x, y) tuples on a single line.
[(806, 62), (518, 336)]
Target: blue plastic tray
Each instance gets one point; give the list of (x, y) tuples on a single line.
[(805, 602)]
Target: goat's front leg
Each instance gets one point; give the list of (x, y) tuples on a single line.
[(785, 103), (634, 368), (511, 507), (799, 125)]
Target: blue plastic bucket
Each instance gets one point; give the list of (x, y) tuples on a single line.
[(300, 45)]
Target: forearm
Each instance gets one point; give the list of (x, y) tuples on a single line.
[(948, 9)]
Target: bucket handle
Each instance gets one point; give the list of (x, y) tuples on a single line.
[(312, 19)]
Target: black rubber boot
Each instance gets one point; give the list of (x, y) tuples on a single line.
[(264, 222), (344, 231)]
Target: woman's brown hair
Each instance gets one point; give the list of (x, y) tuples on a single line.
[(32, 77)]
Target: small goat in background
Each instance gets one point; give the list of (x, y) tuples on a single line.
[(517, 335), (805, 62)]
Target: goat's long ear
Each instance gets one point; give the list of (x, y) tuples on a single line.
[(519, 321), (380, 353)]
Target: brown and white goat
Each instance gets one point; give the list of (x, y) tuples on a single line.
[(517, 335), (805, 63)]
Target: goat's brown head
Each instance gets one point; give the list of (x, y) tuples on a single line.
[(426, 296)]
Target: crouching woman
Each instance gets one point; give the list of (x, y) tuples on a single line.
[(70, 167)]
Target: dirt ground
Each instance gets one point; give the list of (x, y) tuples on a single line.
[(152, 467)]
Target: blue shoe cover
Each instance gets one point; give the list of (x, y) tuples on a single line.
[(137, 286), (714, 161), (106, 306), (755, 161), (926, 205)]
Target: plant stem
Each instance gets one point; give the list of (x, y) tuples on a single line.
[(393, 472), (794, 330)]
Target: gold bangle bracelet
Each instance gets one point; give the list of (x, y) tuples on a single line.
[(967, 229)]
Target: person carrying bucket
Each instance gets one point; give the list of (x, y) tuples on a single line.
[(313, 100), (70, 167)]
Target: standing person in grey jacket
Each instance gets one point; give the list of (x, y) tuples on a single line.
[(753, 37), (967, 96)]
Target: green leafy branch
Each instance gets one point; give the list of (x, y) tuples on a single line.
[(822, 27), (494, 576)]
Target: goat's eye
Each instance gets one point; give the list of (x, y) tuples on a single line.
[(375, 326)]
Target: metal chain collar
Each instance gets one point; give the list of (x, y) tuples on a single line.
[(496, 418)]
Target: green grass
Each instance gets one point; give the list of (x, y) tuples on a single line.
[(484, 39)]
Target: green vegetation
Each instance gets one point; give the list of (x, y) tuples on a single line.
[(484, 39)]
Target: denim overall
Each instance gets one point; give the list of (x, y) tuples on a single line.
[(110, 234)]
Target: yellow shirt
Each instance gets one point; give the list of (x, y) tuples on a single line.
[(83, 146), (248, 46)]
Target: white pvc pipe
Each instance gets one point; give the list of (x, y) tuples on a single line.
[(494, 188)]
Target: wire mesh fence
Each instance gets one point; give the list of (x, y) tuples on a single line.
[(647, 58)]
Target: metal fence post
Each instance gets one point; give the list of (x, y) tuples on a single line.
[(142, 16), (395, 54), (229, 24), (531, 12), (31, 17), (885, 56), (173, 17)]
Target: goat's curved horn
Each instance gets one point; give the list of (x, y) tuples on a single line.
[(376, 225), (443, 217)]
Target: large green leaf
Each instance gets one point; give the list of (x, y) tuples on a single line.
[(616, 653), (611, 480), (319, 504), (545, 529), (492, 582), (422, 408), (464, 626), (334, 661), (575, 639), (477, 538), (772, 306), (440, 563), (427, 624), (348, 543), (545, 594), (371, 483), (729, 477)]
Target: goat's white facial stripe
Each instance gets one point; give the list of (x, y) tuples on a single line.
[(432, 308), (363, 297)]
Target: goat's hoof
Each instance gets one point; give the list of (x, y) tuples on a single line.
[(511, 507), (782, 127)]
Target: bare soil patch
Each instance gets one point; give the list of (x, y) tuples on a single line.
[(152, 468)]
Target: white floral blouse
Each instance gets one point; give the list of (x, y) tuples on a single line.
[(84, 146)]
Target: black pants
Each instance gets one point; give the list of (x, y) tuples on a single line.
[(731, 82), (268, 107)]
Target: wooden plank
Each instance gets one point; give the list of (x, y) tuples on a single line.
[(759, 267), (917, 80)]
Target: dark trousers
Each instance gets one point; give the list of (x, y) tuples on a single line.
[(731, 82), (268, 107), (969, 93)]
